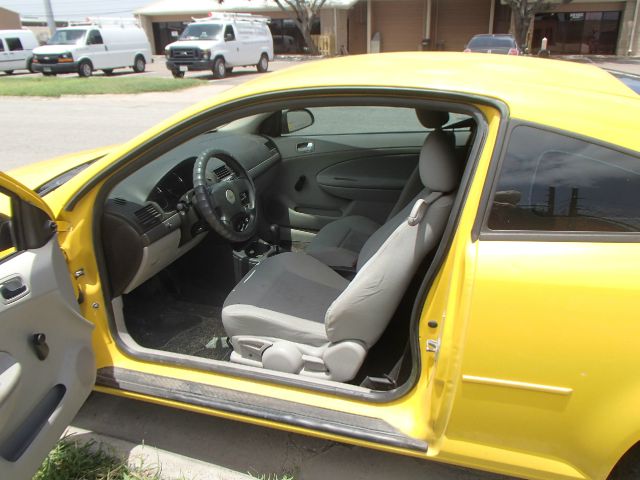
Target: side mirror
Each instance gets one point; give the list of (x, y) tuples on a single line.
[(228, 37), (294, 120)]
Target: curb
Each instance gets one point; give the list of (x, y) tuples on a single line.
[(170, 465)]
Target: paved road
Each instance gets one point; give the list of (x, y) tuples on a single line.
[(255, 450), (35, 129)]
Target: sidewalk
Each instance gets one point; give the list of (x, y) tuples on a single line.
[(171, 466)]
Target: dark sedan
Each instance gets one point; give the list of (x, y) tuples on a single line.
[(488, 43)]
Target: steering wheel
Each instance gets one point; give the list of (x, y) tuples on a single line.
[(228, 205)]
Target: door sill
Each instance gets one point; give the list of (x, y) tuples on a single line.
[(285, 412)]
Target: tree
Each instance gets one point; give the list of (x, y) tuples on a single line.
[(523, 12), (303, 13)]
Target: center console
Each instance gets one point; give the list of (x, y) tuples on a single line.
[(252, 253)]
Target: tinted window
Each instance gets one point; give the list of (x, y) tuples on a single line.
[(94, 38), (1, 46), (14, 44), (228, 33), (491, 42), (550, 182)]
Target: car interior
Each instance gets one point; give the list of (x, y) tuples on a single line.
[(291, 242)]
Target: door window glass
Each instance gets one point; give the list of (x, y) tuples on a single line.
[(14, 44), (228, 33), (1, 45), (550, 182), (352, 120), (7, 238), (94, 38)]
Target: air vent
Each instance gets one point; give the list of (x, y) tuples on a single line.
[(119, 201), (148, 217), (271, 145), (222, 172)]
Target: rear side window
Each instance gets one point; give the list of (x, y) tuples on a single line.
[(14, 44), (491, 42), (550, 182)]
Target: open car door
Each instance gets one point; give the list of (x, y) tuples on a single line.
[(47, 365)]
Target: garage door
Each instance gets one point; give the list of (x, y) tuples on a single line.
[(401, 24), (459, 20)]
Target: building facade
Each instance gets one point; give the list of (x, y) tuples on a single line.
[(360, 26), (9, 20)]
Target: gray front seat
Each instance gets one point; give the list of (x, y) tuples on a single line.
[(339, 243), (292, 313)]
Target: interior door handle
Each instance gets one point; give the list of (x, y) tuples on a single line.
[(12, 289), (306, 147)]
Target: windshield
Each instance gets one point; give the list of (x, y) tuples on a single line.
[(201, 32), (66, 37), (491, 42)]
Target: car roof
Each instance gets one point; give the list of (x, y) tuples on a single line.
[(576, 97), (492, 35)]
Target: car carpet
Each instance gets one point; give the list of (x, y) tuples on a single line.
[(172, 325)]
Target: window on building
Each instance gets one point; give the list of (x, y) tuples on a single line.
[(550, 182), (14, 44)]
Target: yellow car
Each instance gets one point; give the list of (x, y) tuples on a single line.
[(434, 255)]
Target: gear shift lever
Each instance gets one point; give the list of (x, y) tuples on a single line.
[(274, 231)]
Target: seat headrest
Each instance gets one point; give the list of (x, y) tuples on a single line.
[(431, 118), (439, 166)]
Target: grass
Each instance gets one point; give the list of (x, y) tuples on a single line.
[(72, 460), (57, 86)]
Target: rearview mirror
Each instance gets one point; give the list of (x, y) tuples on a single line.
[(228, 37), (294, 120)]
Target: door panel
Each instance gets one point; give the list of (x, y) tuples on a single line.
[(339, 175), (47, 366)]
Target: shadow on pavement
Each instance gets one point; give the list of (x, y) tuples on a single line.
[(251, 449)]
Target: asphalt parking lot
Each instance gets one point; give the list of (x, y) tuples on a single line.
[(38, 128)]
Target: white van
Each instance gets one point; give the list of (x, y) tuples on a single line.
[(221, 42), (16, 50), (98, 44)]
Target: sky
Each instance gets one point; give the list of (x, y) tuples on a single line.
[(73, 9)]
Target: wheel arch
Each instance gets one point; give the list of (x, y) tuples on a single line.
[(630, 459)]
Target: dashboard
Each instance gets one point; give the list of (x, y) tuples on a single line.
[(150, 219)]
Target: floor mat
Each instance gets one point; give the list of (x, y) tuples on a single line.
[(176, 326)]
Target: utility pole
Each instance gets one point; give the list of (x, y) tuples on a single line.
[(51, 23)]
